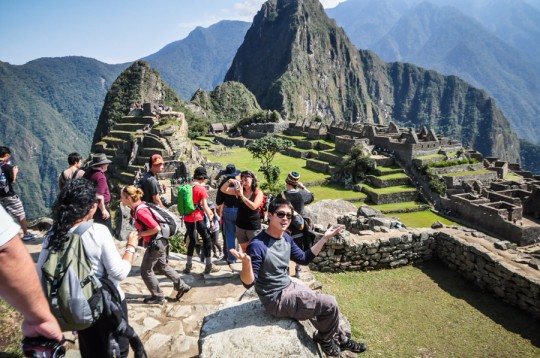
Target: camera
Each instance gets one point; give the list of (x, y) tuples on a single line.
[(41, 347)]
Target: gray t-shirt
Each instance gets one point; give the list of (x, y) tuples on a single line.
[(150, 187)]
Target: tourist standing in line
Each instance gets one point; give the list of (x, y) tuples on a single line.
[(266, 265), (8, 198), (156, 247), (248, 219), (150, 184), (76, 204), (229, 212), (74, 170), (298, 195), (20, 285), (96, 174), (195, 223)]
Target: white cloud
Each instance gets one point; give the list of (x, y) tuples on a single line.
[(331, 3), (246, 9)]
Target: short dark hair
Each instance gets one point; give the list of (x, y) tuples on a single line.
[(277, 203), (4, 151), (74, 158)]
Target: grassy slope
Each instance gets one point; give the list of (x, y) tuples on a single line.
[(430, 311)]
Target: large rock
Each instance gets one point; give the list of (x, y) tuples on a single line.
[(326, 212), (369, 212), (244, 329)]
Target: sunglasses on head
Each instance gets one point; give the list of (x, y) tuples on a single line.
[(282, 214)]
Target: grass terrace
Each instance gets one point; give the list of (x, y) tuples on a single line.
[(389, 190), (334, 191), (408, 205), (393, 176), (471, 172)]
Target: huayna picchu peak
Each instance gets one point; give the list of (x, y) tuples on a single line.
[(298, 61)]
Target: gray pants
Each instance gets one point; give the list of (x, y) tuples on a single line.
[(300, 302), (156, 260)]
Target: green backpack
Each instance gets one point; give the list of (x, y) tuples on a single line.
[(185, 199), (70, 284)]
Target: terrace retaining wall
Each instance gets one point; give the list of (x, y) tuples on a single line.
[(486, 268)]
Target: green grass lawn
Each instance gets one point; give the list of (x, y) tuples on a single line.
[(422, 219), (390, 189), (407, 205), (243, 160), (384, 169), (393, 176), (471, 172), (334, 191), (429, 311)]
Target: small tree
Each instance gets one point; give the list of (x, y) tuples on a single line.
[(265, 149), (355, 167)]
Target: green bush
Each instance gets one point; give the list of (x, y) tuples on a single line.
[(177, 244)]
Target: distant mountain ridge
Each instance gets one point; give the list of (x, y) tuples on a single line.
[(491, 44)]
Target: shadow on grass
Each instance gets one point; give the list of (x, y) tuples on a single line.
[(510, 317)]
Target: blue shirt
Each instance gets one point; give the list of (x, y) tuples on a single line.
[(270, 259)]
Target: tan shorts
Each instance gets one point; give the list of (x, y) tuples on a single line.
[(244, 236)]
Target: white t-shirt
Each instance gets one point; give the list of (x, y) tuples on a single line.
[(102, 253), (8, 227)]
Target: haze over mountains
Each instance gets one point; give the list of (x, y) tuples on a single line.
[(50, 106)]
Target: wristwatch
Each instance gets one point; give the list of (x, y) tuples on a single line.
[(130, 249)]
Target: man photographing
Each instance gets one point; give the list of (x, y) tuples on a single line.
[(266, 265)]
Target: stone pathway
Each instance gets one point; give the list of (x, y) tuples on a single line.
[(172, 329)]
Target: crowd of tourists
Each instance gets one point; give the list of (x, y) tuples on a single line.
[(82, 210)]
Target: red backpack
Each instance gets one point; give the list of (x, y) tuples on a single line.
[(264, 206)]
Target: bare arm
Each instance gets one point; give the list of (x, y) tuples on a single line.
[(330, 232), (21, 288), (15, 172), (225, 189), (246, 275), (257, 201), (157, 200)]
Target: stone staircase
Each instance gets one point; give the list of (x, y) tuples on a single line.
[(129, 145)]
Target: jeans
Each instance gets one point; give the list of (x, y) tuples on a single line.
[(229, 231), (198, 227)]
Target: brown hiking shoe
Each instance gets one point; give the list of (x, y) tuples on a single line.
[(188, 268), (211, 269)]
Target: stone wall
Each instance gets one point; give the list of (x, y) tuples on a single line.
[(514, 283), (385, 183), (456, 180), (231, 142), (267, 128), (389, 198), (488, 271)]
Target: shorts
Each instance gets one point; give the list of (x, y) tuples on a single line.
[(13, 205), (243, 236)]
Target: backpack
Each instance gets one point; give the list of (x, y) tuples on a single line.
[(168, 221), (70, 284), (263, 208), (185, 199)]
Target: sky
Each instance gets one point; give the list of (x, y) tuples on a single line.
[(111, 31)]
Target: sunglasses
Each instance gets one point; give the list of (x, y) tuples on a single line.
[(282, 214)]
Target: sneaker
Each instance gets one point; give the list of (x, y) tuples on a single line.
[(153, 300), (182, 291), (211, 269), (29, 236), (330, 348), (353, 346), (188, 268)]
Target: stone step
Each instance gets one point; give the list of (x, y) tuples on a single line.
[(129, 127), (125, 135), (140, 120)]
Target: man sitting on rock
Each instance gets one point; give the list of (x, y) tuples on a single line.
[(266, 265)]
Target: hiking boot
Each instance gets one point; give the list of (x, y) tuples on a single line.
[(210, 269), (330, 348), (153, 300), (355, 347), (29, 236), (188, 268), (182, 291)]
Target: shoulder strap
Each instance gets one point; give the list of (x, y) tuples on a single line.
[(283, 195), (81, 229), (74, 175)]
